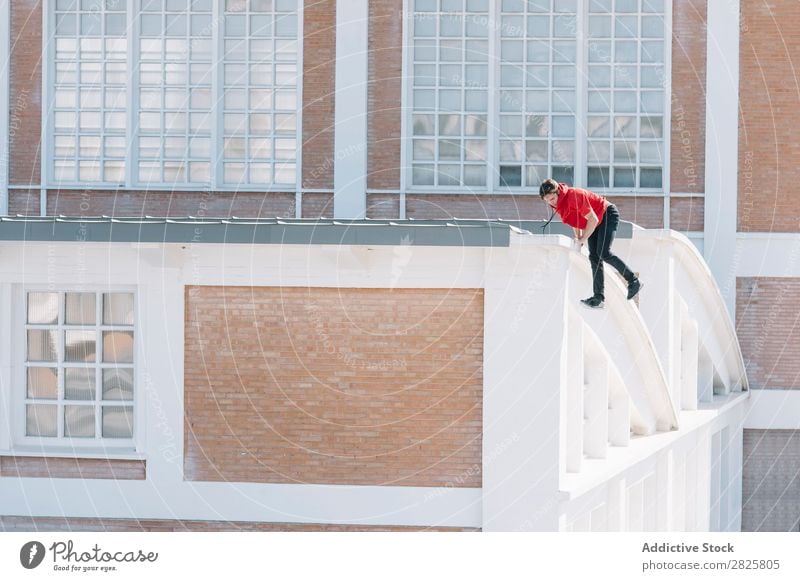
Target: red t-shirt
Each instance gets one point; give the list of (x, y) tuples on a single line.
[(574, 203)]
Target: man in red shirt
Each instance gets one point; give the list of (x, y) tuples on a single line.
[(594, 220)]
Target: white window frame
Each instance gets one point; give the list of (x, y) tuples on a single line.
[(581, 137), (216, 184), (22, 444)]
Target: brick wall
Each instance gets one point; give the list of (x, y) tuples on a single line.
[(28, 467), (478, 206), (647, 212), (688, 128), (166, 203), (687, 214), (644, 211), (383, 206), (334, 385), (385, 94), (319, 76), (767, 316), (25, 202), (45, 524), (317, 205), (25, 98), (769, 155), (771, 481)]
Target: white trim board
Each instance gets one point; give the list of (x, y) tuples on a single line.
[(773, 409), (722, 145), (767, 255)]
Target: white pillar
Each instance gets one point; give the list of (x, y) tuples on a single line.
[(524, 339), (722, 145), (572, 411), (689, 364), (160, 380), (657, 307), (5, 89), (350, 133)]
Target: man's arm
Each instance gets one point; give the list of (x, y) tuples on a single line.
[(577, 233), (591, 225)]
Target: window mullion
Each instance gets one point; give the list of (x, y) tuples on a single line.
[(132, 165), (581, 95), (217, 34), (98, 372), (62, 372), (493, 111)]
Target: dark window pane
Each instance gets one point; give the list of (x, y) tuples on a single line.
[(564, 174), (510, 176), (624, 177), (650, 178), (597, 177)]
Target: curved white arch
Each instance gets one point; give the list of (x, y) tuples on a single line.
[(623, 333), (698, 290)]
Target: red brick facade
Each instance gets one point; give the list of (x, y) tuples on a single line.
[(767, 319), (29, 467), (334, 385), (385, 94), (769, 158), (24, 202), (687, 214), (647, 212), (316, 205), (477, 206), (386, 206), (688, 127), (25, 98), (319, 86), (49, 524), (166, 203)]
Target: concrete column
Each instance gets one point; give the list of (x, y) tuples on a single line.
[(722, 145), (350, 133), (524, 338)]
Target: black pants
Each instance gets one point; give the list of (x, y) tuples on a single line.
[(600, 251)]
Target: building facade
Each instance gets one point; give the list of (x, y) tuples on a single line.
[(431, 110)]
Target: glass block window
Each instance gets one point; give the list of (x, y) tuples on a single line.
[(79, 366), (260, 92), (538, 74), (89, 91), (589, 113), (626, 76), (175, 92), (450, 102), (211, 98)]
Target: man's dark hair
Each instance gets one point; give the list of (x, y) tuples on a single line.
[(548, 186)]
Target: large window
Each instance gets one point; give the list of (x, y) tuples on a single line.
[(170, 93), (505, 93), (78, 380), (90, 78)]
